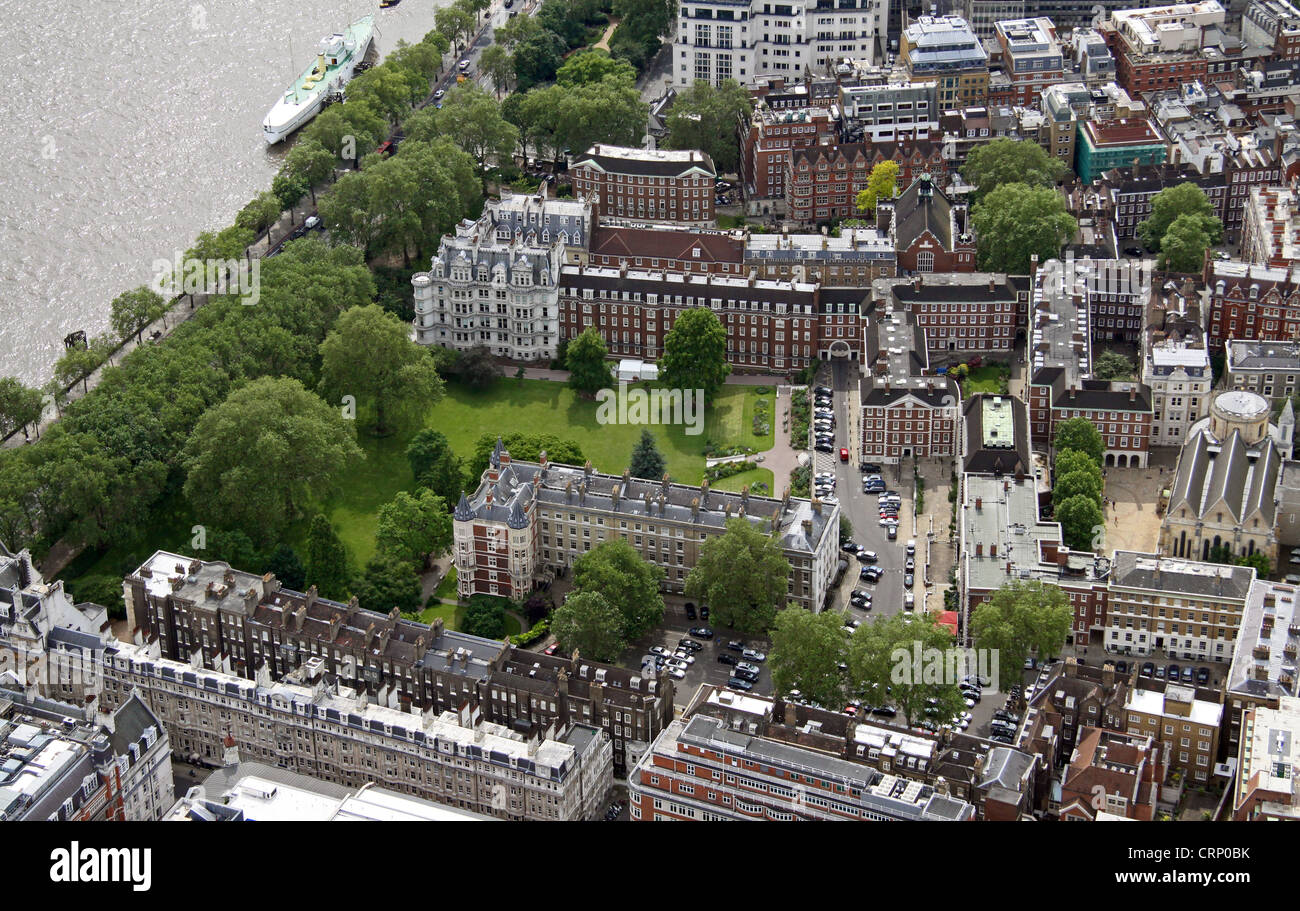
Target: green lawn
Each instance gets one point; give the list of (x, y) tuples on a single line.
[(542, 406), (985, 379), (447, 587), (737, 481)]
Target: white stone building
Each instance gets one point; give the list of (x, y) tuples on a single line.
[(718, 40), (493, 282)]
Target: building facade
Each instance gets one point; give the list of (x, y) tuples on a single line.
[(1176, 366), (930, 231), (647, 185), (1251, 303), (1031, 55), (1270, 232), (946, 51), (530, 520), (1103, 145)]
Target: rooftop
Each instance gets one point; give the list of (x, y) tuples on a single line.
[(1174, 576), (1270, 625)]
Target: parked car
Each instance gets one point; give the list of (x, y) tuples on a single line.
[(754, 654), (1189, 674), (727, 658), (690, 611), (1160, 673), (911, 547), (704, 613), (1148, 670), (1121, 667), (703, 632), (551, 649), (736, 645), (739, 683), (690, 644), (659, 650), (822, 390), (745, 674), (871, 468), (892, 532), (1203, 676), (908, 579)]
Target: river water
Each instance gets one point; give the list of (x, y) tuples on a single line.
[(131, 127)]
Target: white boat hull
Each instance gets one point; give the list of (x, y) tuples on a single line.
[(287, 117)]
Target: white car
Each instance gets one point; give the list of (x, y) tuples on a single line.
[(676, 662), (746, 666), (753, 654), (675, 672), (683, 656)]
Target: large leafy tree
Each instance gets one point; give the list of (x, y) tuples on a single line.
[(20, 406), (708, 118), (413, 526), (1183, 247), (630, 584), (471, 118), (309, 164), (742, 576), (538, 58), (257, 459), (1015, 221), (1082, 522), (1172, 203), (586, 361), (588, 623), (287, 566), (370, 356), (485, 616), (1021, 617), (1005, 161), (1111, 365), (327, 560), (434, 465), (1080, 434), (131, 311), (388, 582), (594, 65), (807, 650), (1076, 484), (1074, 461), (496, 63), (524, 447), (647, 461), (882, 183), (695, 353), (883, 656)]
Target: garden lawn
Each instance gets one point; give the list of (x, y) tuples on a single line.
[(354, 509), (737, 481), (447, 587), (547, 407), (985, 379)]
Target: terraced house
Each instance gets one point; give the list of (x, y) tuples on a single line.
[(528, 521)]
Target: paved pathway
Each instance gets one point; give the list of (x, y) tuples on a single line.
[(603, 43)]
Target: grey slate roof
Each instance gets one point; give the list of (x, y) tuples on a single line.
[(1135, 570), (1244, 481)]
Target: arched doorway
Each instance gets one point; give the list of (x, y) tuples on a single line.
[(840, 348)]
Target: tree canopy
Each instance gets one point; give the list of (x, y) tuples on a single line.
[(626, 581), (1006, 161), (884, 666), (807, 650), (647, 461), (1172, 203), (882, 183), (588, 623), (1080, 434), (414, 527), (586, 359), (1015, 221), (1021, 617), (708, 118), (742, 575), (695, 353)]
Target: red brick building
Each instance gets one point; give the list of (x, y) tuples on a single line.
[(930, 232), (1251, 303), (765, 149), (647, 185), (966, 315), (822, 182), (1121, 412), (1115, 774), (669, 248), (771, 325)]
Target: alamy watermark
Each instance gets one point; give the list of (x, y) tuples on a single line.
[(1089, 277), (192, 276), (943, 666), (654, 406)]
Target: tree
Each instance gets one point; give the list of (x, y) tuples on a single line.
[(232, 546), (881, 184), (1111, 365), (695, 353), (585, 359), (1169, 205), (1021, 617), (1082, 522), (537, 58), (1074, 461), (1015, 221), (1005, 161), (77, 364), (454, 23), (471, 118), (707, 118), (807, 650), (496, 63), (590, 625), (1259, 560), (526, 448), (327, 560), (413, 527), (647, 461), (905, 656), (435, 466), (627, 582), (1076, 484), (476, 368), (593, 65), (285, 564), (254, 461), (262, 211), (1183, 247), (131, 311), (742, 576), (388, 582), (20, 406), (485, 616), (846, 529), (370, 357), (1080, 434), (310, 164), (607, 111)]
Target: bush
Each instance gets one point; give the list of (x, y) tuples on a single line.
[(727, 469), (539, 630), (485, 616), (103, 590)]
